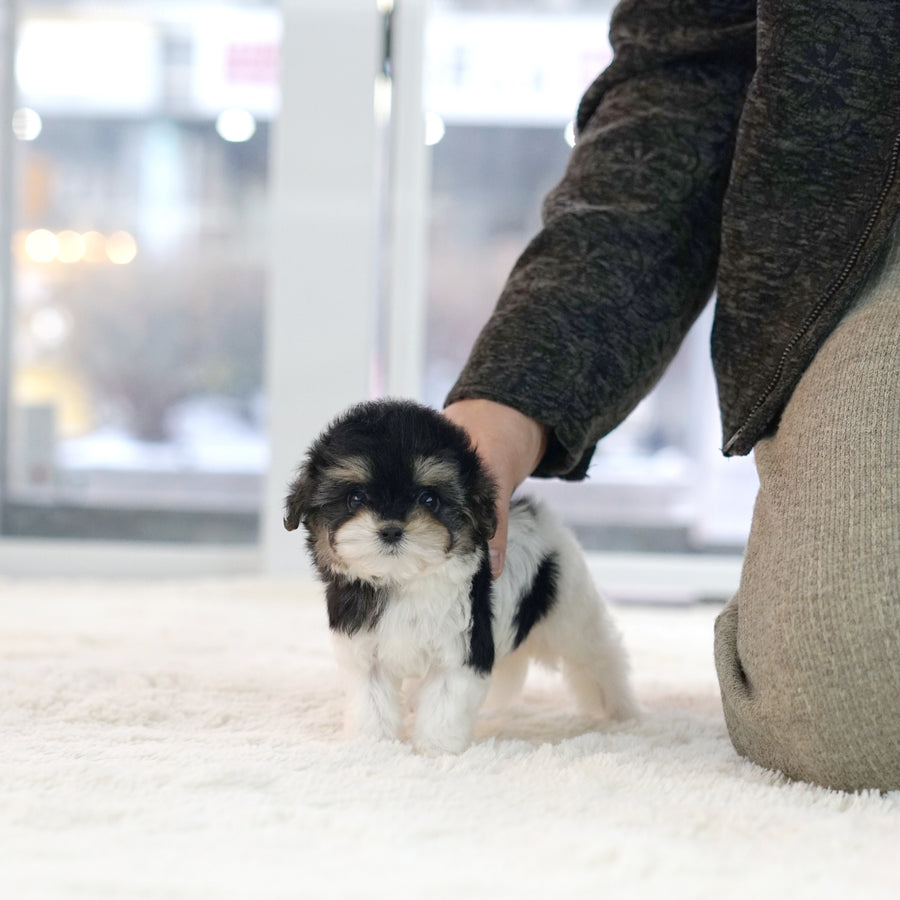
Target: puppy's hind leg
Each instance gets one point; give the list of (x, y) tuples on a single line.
[(600, 684), (507, 678), (593, 657)]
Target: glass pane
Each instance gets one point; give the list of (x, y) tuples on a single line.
[(139, 268), (500, 125)]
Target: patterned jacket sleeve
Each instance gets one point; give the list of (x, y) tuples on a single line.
[(600, 300)]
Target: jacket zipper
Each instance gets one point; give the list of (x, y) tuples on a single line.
[(826, 297)]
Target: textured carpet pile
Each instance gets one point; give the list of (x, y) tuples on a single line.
[(183, 740)]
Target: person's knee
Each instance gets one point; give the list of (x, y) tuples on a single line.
[(807, 719), (807, 650)]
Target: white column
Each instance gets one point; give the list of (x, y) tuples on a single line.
[(324, 226), (409, 189), (8, 18)]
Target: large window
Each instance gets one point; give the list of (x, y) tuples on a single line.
[(179, 315), (137, 269)]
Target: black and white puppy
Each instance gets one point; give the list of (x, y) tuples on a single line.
[(398, 511)]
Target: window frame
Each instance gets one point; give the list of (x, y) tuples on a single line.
[(333, 215)]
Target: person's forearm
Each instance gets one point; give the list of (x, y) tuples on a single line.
[(596, 307)]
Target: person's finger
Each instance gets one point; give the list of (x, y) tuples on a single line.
[(497, 544)]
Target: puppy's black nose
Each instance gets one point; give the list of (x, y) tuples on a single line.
[(390, 534)]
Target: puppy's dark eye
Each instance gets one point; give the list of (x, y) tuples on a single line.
[(429, 500), (356, 499)]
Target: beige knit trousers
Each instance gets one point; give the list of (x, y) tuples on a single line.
[(808, 650)]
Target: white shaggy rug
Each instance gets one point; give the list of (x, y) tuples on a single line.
[(182, 740)]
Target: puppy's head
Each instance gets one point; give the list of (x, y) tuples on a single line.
[(390, 490)]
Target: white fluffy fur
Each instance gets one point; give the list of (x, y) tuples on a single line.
[(362, 554), (423, 634)]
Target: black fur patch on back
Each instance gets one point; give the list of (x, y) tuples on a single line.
[(481, 635), (353, 605), (538, 599)]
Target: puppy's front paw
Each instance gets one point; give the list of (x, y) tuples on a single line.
[(369, 727), (437, 743)]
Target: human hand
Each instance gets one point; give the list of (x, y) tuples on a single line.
[(510, 445)]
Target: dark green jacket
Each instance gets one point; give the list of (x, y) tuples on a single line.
[(750, 148)]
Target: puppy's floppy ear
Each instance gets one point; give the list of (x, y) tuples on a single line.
[(480, 487), (297, 503), (482, 502)]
